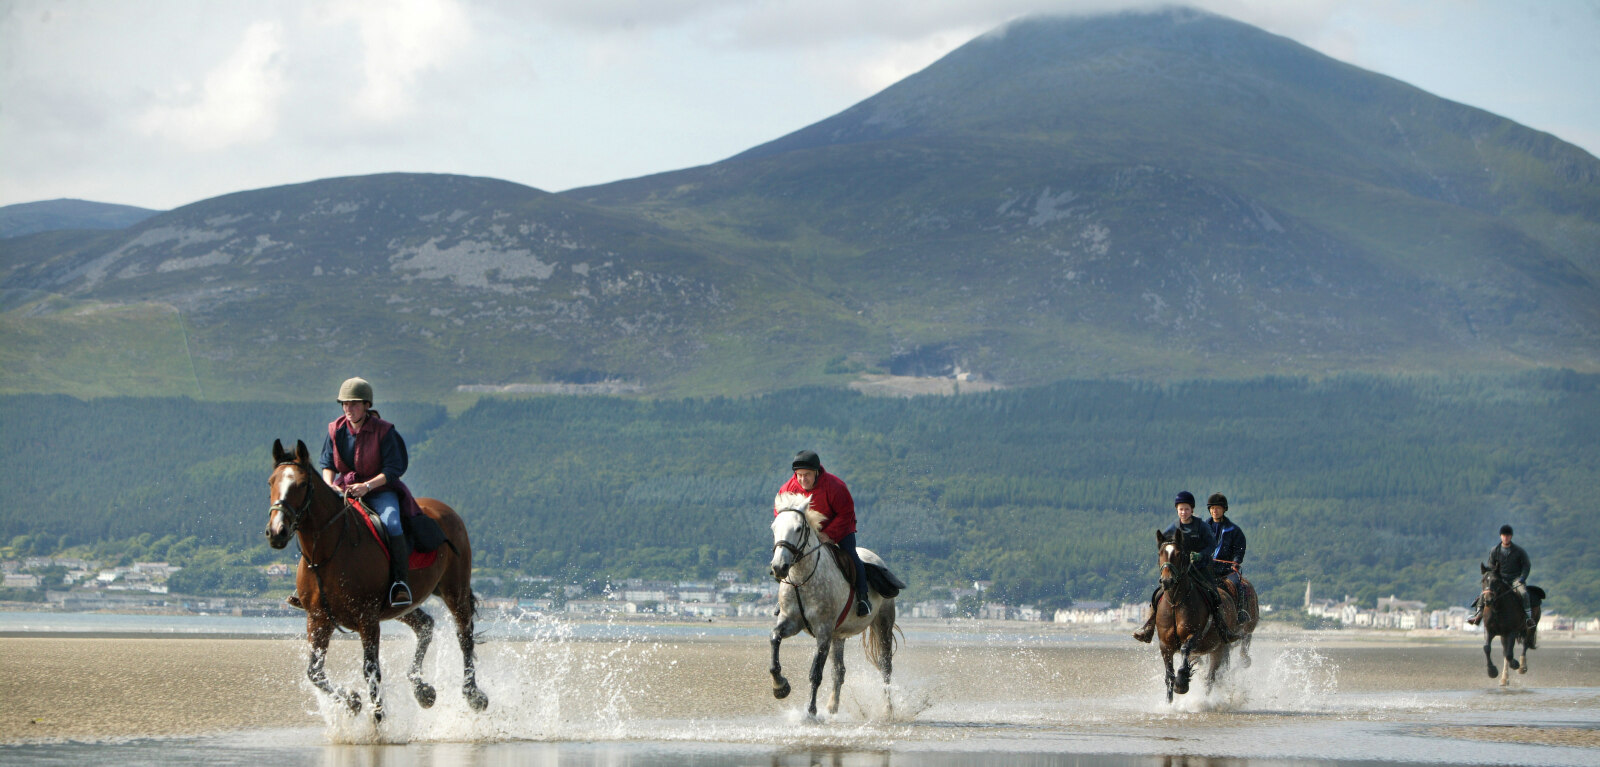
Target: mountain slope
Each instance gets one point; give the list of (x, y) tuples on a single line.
[(423, 281), (1180, 185), (51, 215), (1165, 195)]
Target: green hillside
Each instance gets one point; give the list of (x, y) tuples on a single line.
[(1156, 196), (1364, 485)]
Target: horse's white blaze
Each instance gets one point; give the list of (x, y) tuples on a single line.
[(1171, 550), (275, 522)]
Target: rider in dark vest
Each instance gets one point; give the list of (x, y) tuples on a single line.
[(1227, 557), (363, 457), (831, 497), (1510, 565), (1198, 544)]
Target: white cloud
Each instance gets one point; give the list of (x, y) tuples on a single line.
[(237, 103), (400, 40)]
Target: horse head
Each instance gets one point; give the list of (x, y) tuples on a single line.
[(289, 490), (793, 524), (1168, 549)]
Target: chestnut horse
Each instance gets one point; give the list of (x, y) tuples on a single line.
[(343, 579), (1183, 616)]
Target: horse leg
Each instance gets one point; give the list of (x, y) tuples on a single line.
[(463, 606), (319, 630), (824, 643), (1505, 670), (422, 624), (1185, 670), (1166, 657), (1244, 650), (1488, 652), (786, 628), (369, 666), (838, 676), (1219, 659)]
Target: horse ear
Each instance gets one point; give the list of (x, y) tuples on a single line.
[(300, 453), (277, 451), (1161, 537), (1483, 568)]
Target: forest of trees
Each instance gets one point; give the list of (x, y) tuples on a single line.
[(1363, 485)]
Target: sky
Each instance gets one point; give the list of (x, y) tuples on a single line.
[(159, 103)]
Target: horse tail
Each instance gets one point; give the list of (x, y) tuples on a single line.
[(878, 642)]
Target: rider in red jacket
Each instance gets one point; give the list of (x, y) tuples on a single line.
[(831, 498)]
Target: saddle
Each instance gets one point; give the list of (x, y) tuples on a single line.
[(424, 535), (879, 579)]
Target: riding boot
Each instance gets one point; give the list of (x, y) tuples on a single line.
[(863, 604), (399, 563), (1527, 606), (1148, 631), (1477, 612)]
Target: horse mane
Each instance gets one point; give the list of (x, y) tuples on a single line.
[(803, 503)]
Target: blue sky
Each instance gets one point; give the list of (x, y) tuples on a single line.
[(159, 103)]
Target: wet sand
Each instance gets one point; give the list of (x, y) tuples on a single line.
[(996, 696)]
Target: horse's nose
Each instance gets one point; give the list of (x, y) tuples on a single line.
[(779, 571)]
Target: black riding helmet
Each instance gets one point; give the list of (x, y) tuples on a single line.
[(807, 459), (1217, 499)]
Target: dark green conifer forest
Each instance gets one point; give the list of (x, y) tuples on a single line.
[(1363, 485)]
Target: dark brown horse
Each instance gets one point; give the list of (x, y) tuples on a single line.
[(344, 578), (1183, 615), (1502, 617)]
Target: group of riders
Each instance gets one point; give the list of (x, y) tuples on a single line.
[(363, 456)]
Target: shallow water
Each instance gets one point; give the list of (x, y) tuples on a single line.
[(567, 694)]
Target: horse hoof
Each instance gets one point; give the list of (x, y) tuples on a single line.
[(425, 694), (477, 700), (780, 692), (353, 701), (1523, 669), (377, 714), (1513, 664), (1493, 672), (1244, 661)]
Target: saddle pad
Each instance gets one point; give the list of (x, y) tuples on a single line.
[(419, 560)]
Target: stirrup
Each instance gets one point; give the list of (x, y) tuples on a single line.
[(401, 601), (863, 607)]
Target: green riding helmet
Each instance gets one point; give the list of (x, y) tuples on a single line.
[(355, 389)]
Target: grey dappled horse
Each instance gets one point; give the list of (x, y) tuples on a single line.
[(814, 596)]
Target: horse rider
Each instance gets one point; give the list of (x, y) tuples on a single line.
[(363, 457), (1227, 558), (831, 498), (1198, 545), (1510, 565)]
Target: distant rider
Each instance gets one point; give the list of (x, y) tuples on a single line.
[(1510, 565), (1198, 545), (364, 456), (1227, 557), (831, 498)]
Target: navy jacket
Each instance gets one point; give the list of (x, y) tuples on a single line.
[(1230, 541), (1197, 538)]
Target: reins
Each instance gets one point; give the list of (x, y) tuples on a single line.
[(314, 566)]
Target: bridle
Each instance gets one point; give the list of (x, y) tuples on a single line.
[(1180, 575), (292, 514), (797, 550)]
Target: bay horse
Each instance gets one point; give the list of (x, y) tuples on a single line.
[(1503, 617), (1183, 616), (814, 595), (343, 579)]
